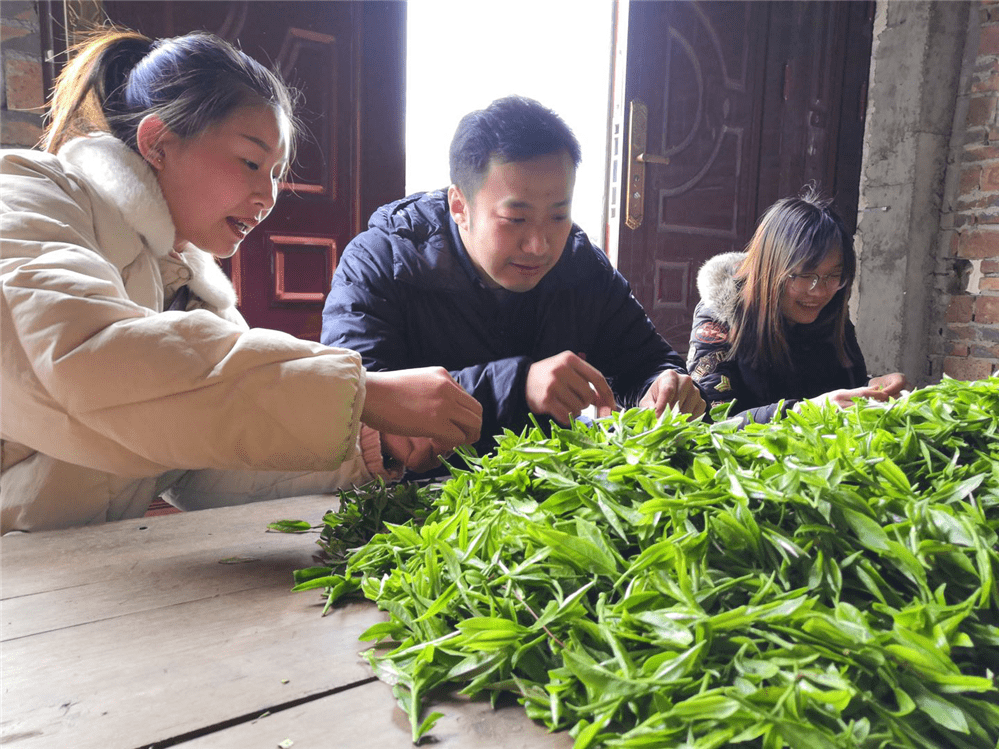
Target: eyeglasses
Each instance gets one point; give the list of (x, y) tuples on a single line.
[(804, 282)]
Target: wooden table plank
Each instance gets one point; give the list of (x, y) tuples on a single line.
[(152, 676), (135, 634), (346, 720), (141, 642), (55, 560), (59, 579), (173, 582)]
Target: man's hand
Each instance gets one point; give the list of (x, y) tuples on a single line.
[(673, 387), (844, 398), (424, 402), (563, 385), (413, 453), (892, 384)]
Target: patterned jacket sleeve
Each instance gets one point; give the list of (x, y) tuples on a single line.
[(716, 375)]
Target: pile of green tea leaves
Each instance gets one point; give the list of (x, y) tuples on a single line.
[(825, 580)]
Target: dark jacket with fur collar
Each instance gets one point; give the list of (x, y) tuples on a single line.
[(758, 390)]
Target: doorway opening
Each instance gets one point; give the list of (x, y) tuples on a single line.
[(462, 55)]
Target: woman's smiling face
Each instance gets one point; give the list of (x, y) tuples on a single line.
[(220, 184), (804, 307)]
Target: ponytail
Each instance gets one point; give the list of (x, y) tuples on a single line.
[(91, 87), (190, 82)]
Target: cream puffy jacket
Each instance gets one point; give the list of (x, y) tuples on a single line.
[(107, 400)]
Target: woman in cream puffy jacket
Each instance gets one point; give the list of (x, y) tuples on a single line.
[(127, 370)]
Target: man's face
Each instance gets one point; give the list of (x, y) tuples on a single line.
[(516, 226)]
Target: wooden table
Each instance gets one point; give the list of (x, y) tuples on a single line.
[(182, 630)]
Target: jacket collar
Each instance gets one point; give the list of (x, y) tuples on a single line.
[(423, 248), (717, 286), (464, 259), (123, 179)]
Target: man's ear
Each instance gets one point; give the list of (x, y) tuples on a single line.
[(150, 137), (459, 207)]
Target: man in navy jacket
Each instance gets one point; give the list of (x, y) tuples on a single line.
[(492, 280)]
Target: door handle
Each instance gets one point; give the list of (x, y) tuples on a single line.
[(638, 126)]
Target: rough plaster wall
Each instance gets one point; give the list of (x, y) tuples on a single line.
[(915, 68)]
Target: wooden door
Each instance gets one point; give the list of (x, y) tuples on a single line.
[(347, 60), (743, 104)]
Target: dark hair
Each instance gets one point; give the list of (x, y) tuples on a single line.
[(190, 82), (514, 128), (794, 233)]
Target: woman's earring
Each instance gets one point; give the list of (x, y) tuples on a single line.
[(156, 159)]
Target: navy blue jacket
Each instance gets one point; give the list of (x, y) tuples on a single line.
[(405, 294)]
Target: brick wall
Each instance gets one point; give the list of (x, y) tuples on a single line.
[(22, 96), (968, 346)]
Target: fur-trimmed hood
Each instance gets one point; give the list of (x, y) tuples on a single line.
[(717, 286), (123, 179)]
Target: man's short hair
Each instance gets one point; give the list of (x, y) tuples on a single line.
[(511, 129)]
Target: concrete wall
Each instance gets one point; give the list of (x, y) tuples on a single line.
[(916, 62), (927, 296)]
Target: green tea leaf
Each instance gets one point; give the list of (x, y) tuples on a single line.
[(827, 579)]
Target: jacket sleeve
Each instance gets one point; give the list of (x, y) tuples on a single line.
[(366, 311), (501, 387), (92, 378), (628, 351), (199, 490), (718, 376), (859, 376)]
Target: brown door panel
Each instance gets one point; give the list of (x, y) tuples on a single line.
[(698, 68), (746, 102)]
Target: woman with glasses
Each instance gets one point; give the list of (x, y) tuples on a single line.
[(772, 327)]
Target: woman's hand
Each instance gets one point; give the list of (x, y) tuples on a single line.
[(892, 384), (844, 398), (424, 402)]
